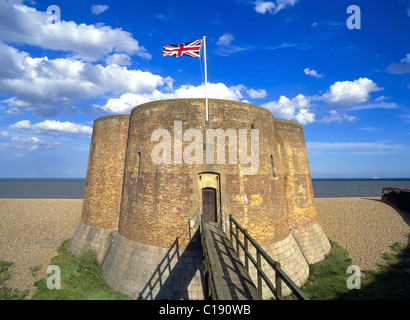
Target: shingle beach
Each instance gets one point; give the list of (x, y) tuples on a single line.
[(31, 230)]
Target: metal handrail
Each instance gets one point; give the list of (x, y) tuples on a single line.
[(280, 275)]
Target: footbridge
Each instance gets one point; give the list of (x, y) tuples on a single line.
[(226, 276)]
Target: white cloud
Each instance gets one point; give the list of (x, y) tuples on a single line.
[(256, 94), (225, 45), (98, 8), (406, 59), (381, 98), (282, 4), (48, 86), (350, 93), (29, 143), (53, 127), (292, 109), (378, 105), (362, 148), (370, 129), (225, 39), (128, 101), (22, 24), (312, 73), (4, 134), (402, 67), (262, 7), (335, 116), (121, 59)]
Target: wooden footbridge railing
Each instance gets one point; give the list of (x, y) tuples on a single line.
[(226, 276), (280, 275)]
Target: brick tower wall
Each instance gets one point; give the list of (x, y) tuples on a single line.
[(299, 191), (158, 200), (103, 186)]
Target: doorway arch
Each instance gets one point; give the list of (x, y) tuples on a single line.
[(210, 195)]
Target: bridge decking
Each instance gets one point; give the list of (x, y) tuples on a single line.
[(232, 281)]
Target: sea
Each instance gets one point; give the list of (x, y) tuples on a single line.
[(74, 188)]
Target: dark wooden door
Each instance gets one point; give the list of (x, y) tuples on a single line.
[(209, 204)]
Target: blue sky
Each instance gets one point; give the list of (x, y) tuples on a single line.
[(349, 88)]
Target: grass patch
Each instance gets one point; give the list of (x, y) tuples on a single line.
[(7, 293), (327, 280), (81, 279), (328, 277), (34, 271)]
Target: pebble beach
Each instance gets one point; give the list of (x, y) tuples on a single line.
[(31, 230)]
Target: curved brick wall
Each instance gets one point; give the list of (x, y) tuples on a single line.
[(161, 197), (299, 191), (103, 186)]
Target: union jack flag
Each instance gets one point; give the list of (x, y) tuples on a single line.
[(191, 49)]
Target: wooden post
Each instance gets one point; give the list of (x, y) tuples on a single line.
[(237, 239), (259, 268), (245, 236), (278, 282), (230, 230)]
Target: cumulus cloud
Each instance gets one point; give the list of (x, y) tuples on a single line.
[(402, 67), (292, 109), (121, 59), (52, 127), (48, 86), (312, 73), (98, 8), (256, 94), (23, 24), (350, 93), (127, 101), (262, 7)]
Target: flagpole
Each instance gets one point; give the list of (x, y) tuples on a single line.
[(206, 81)]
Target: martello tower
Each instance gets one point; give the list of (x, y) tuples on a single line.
[(148, 173)]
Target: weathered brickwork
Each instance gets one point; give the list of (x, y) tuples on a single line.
[(151, 203), (298, 183), (103, 185)]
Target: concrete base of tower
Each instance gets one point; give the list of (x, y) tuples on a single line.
[(152, 273), (292, 263), (313, 242), (87, 237)]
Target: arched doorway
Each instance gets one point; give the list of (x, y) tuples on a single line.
[(209, 204)]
